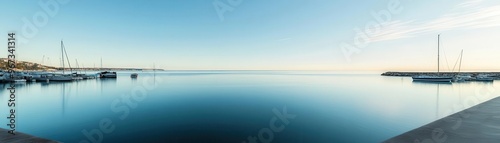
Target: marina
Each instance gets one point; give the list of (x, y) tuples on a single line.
[(41, 76)]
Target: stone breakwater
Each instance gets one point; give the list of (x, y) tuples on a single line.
[(495, 75)]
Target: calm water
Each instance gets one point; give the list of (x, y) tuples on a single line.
[(199, 106)]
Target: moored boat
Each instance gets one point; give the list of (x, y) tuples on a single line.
[(485, 78), (61, 78), (460, 78), (424, 78), (107, 74), (433, 78), (134, 75)]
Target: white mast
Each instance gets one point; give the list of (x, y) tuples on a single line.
[(438, 53), (62, 56), (461, 55)]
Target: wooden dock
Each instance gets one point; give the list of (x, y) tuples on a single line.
[(480, 123), (21, 138)]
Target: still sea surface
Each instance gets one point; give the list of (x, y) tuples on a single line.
[(231, 106)]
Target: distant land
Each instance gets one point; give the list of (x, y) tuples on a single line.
[(31, 66)]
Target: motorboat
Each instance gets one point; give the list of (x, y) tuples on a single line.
[(107, 74), (134, 75), (485, 78)]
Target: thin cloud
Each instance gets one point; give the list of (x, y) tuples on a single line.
[(469, 3), (284, 39), (476, 18)]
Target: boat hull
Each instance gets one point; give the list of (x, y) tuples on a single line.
[(485, 79), (107, 74), (432, 79), (61, 78), (134, 75)]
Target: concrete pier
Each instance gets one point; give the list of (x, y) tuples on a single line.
[(21, 138), (480, 123)]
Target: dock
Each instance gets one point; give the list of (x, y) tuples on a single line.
[(480, 123), (21, 138)]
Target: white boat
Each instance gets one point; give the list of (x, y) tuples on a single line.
[(483, 77), (90, 76), (433, 78), (459, 78), (61, 78), (16, 80), (77, 76), (20, 80), (40, 76)]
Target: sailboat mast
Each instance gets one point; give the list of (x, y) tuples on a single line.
[(77, 66), (438, 54), (67, 58), (62, 56), (461, 55)]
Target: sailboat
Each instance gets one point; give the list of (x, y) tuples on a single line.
[(461, 77), (61, 77), (433, 78)]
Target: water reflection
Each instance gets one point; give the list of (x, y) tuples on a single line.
[(231, 107), (63, 95), (437, 102)]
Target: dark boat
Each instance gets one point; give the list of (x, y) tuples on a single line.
[(134, 75), (107, 74), (432, 78)]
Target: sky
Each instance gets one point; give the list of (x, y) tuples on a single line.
[(384, 35)]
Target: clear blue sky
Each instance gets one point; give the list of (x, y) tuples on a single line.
[(257, 34)]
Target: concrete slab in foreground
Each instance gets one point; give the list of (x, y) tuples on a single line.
[(480, 124), (21, 138)]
